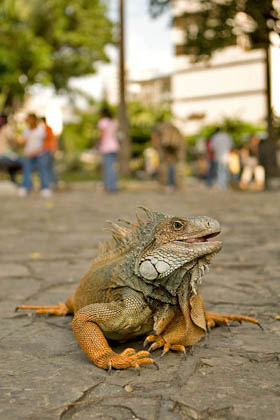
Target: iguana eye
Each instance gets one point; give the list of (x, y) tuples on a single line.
[(177, 225)]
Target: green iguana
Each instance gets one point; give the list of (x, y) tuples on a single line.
[(145, 282)]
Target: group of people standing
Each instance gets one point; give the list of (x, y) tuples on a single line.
[(226, 163), (39, 145)]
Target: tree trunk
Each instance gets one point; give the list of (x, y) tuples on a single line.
[(269, 147), (269, 113), (125, 144)]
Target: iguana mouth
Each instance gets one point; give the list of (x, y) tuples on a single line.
[(199, 239)]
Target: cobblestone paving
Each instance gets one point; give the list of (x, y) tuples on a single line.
[(46, 247)]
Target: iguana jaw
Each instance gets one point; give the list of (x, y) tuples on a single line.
[(199, 238), (163, 261)]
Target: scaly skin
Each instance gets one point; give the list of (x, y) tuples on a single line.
[(146, 281)]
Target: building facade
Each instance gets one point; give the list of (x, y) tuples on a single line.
[(152, 91), (232, 84)]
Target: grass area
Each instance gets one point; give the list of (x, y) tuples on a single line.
[(78, 176)]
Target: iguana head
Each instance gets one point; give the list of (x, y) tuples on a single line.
[(164, 251), (177, 246)]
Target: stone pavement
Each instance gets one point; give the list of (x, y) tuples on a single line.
[(48, 245)]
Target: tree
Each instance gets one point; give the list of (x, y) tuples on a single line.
[(212, 25), (48, 43)]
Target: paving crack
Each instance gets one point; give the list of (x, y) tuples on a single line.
[(80, 403), (71, 408), (133, 414)]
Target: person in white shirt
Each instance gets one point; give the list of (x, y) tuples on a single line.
[(222, 144), (34, 156)]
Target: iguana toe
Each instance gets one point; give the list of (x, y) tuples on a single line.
[(128, 358), (213, 319), (159, 342)]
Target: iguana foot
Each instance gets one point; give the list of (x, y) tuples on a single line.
[(158, 342), (213, 319), (128, 358), (59, 309)]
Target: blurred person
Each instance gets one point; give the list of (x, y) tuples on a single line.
[(234, 165), (202, 168), (169, 143), (267, 158), (222, 145), (50, 147), (108, 146), (151, 162), (212, 165), (9, 159), (251, 167), (34, 156)]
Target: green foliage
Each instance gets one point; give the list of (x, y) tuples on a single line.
[(214, 25), (49, 42), (80, 134), (239, 130), (142, 119)]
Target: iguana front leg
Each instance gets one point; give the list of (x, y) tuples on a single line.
[(93, 320), (178, 328)]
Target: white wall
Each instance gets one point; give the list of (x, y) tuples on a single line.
[(221, 90), (248, 108), (232, 84)]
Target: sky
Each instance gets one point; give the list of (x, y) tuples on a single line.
[(148, 48), (148, 41)]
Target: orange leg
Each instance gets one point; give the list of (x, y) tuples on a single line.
[(59, 309), (93, 342), (213, 319)]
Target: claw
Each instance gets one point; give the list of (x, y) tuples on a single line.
[(163, 353), (260, 325), (146, 342), (137, 367), (109, 369), (208, 328), (152, 347), (190, 350), (156, 365)]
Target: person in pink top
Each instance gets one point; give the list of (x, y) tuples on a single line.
[(108, 146)]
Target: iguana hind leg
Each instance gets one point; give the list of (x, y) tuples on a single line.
[(213, 319), (59, 309)]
